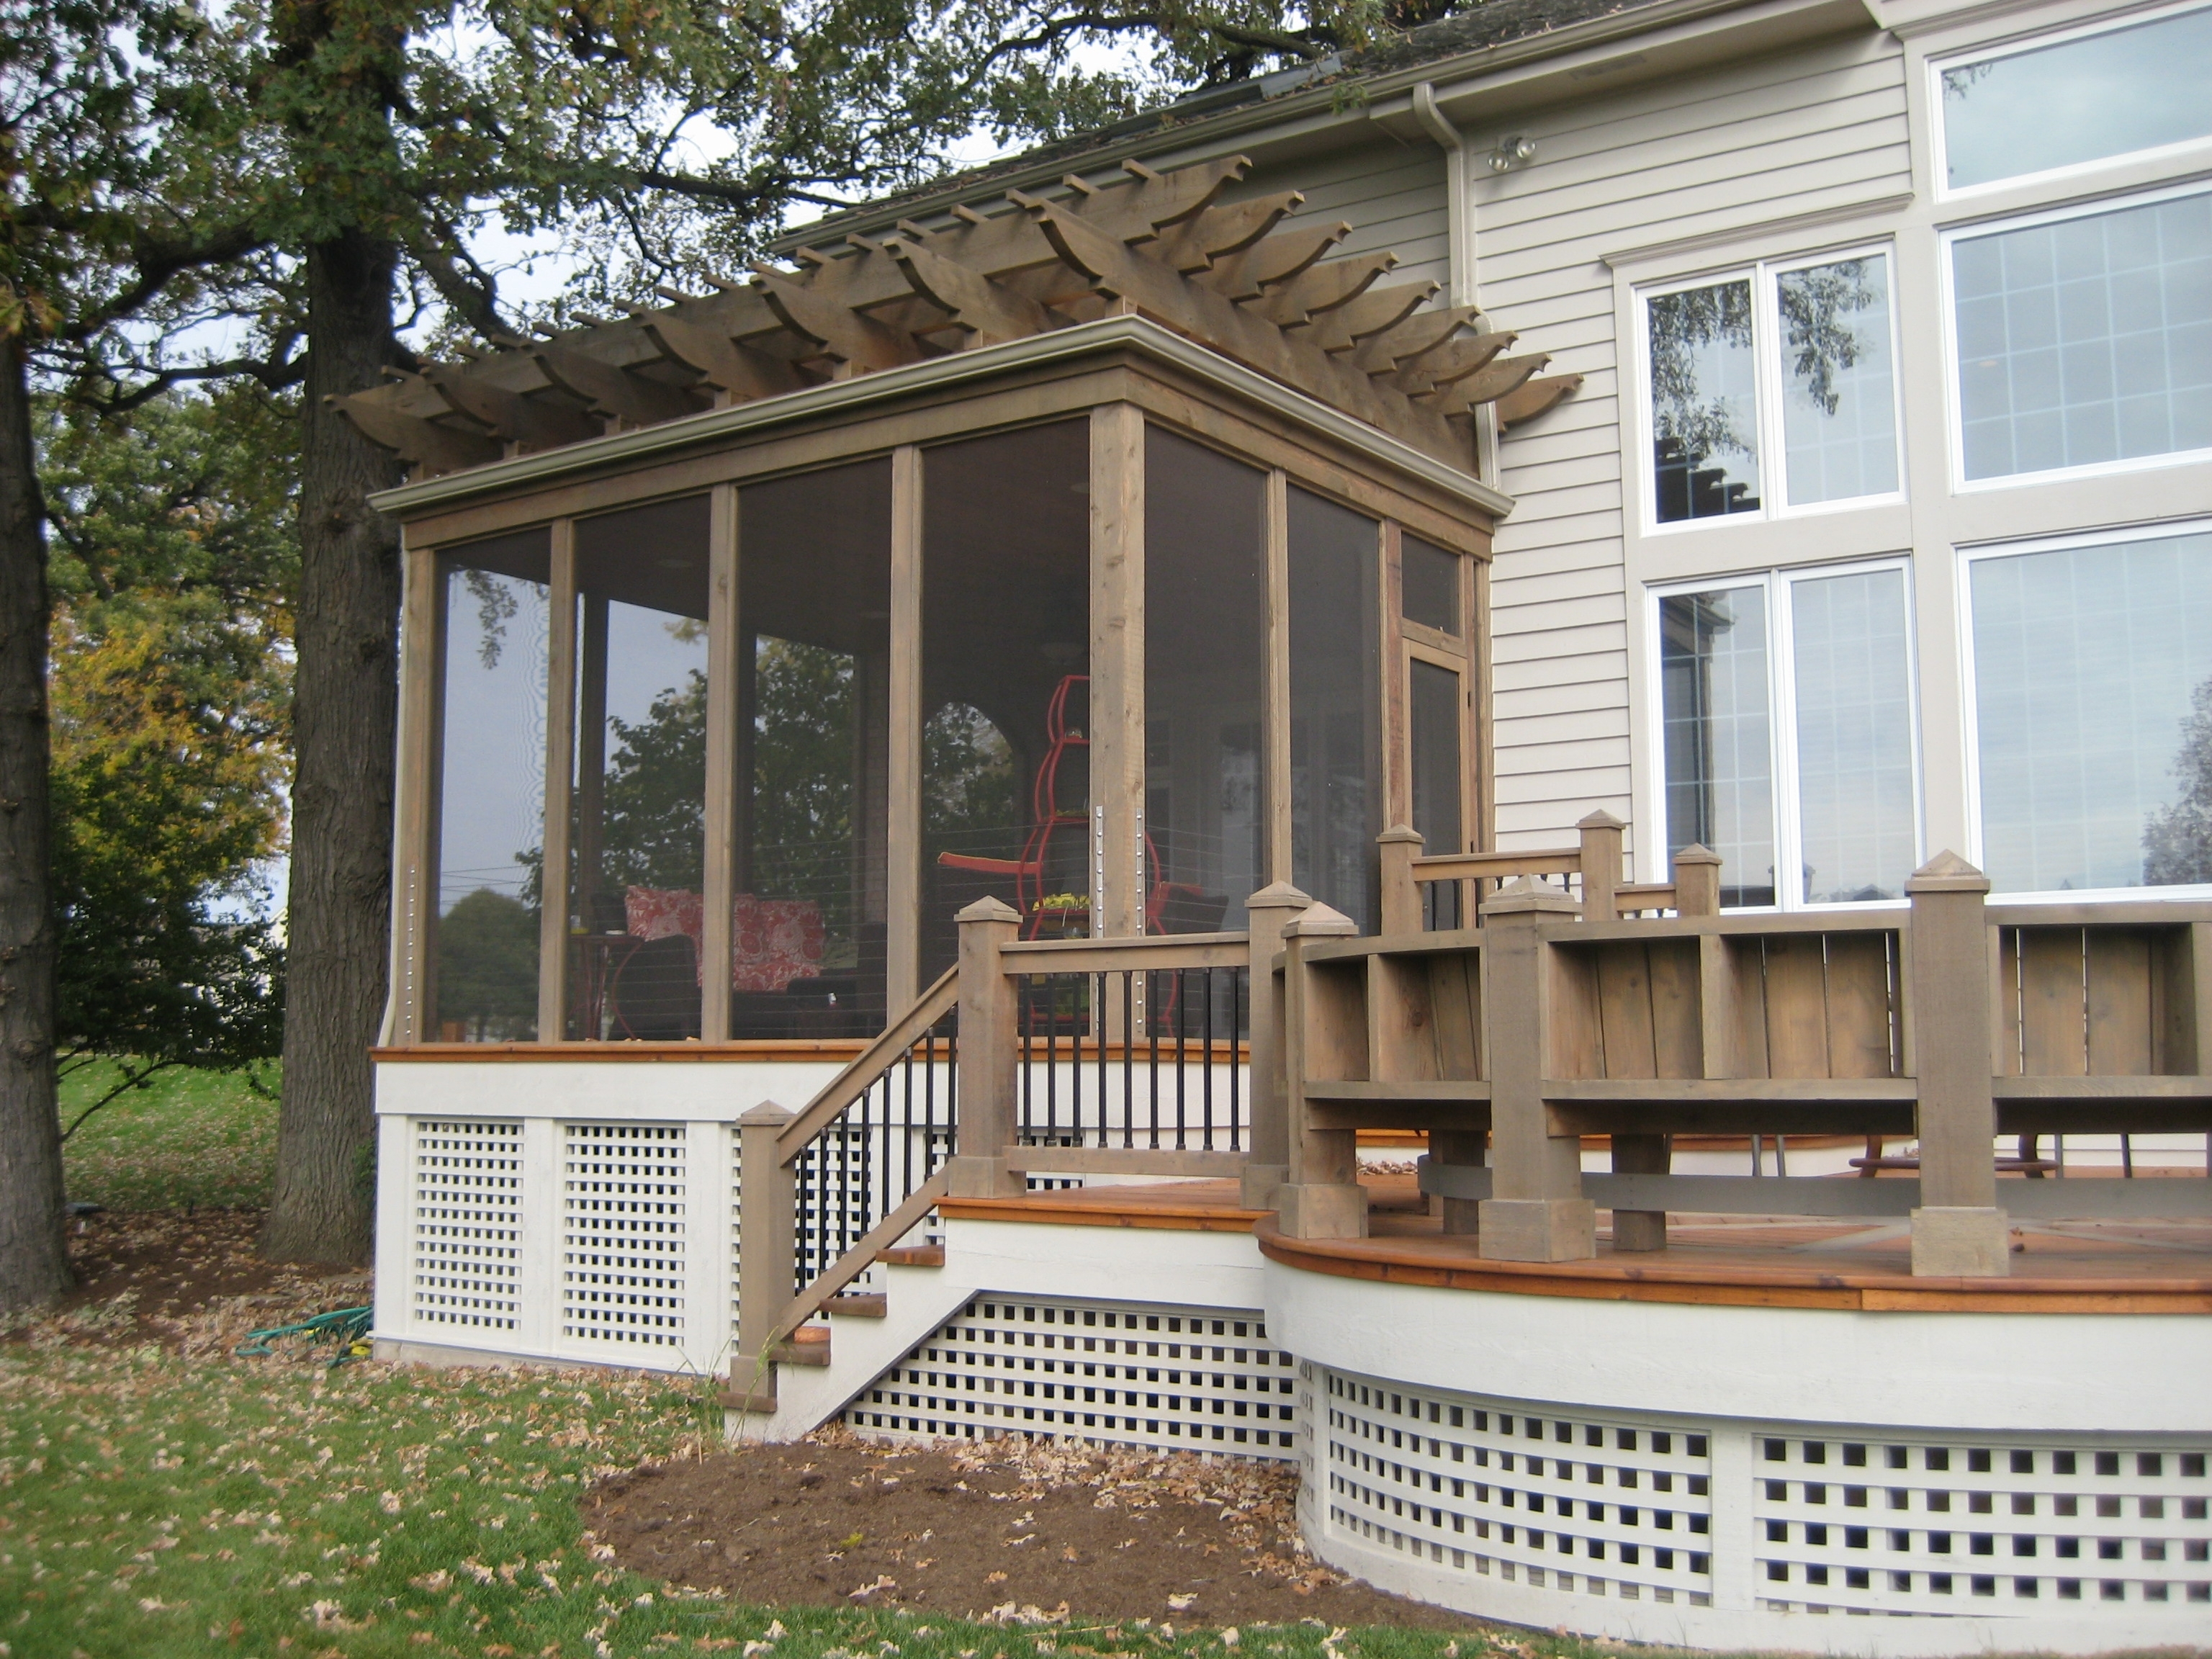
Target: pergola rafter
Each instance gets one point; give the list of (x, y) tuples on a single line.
[(1231, 277)]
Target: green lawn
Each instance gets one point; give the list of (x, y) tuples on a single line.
[(161, 1496), (155, 1504), (188, 1138)]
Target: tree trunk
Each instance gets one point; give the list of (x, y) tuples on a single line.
[(344, 715), (33, 1260)]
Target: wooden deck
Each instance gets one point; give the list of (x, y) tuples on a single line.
[(2101, 1267)]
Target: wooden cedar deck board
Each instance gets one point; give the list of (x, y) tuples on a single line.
[(1697, 1268)]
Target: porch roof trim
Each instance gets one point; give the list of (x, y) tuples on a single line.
[(1081, 339)]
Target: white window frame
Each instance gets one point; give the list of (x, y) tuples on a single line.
[(1970, 697), (1953, 392), (1770, 387), (1775, 585), (1940, 138)]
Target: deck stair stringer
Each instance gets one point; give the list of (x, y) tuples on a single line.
[(917, 1301)]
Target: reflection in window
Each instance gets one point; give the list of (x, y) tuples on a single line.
[(812, 768), (2086, 340), (1005, 681), (2093, 718), (640, 788), (491, 800), (1839, 409), (1704, 413), (2078, 101), (1336, 785), (1428, 586), (1206, 622), (1718, 743), (1855, 773)]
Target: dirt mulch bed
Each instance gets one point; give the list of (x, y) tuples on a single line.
[(189, 1281), (1008, 1531)]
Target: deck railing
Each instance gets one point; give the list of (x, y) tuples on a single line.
[(1945, 1020), (823, 1191)]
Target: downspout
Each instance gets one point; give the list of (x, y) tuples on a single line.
[(1460, 243)]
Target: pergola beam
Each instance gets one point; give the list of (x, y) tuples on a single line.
[(1226, 275)]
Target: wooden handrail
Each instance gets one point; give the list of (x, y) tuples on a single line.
[(1112, 956), (856, 1261), (870, 1063), (1495, 866)]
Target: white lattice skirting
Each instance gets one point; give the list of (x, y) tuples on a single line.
[(1121, 1374)]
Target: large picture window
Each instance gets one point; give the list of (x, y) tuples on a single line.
[(1786, 735), (2092, 699), (2092, 97), (1771, 389), (2084, 339)]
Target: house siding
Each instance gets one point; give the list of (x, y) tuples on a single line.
[(1818, 127)]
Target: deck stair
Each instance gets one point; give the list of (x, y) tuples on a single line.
[(820, 1370)]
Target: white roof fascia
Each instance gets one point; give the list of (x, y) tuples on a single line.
[(649, 443)]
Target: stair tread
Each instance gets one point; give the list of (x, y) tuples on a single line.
[(859, 1305), (912, 1255), (807, 1346)]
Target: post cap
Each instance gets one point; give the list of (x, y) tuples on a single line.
[(1320, 921), (1600, 819), (1694, 854), (767, 1114), (1398, 834), (990, 908), (1524, 896), (1278, 895), (1947, 872)]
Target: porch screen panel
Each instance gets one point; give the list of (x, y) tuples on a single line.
[(1336, 744), (813, 732), (1205, 676), (491, 790), (636, 907), (1006, 764), (2093, 703)]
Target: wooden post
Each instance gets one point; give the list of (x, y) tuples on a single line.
[(729, 775), (560, 772), (1697, 881), (1696, 893), (1321, 1198), (1275, 774), (1117, 666), (411, 1012), (1269, 911), (986, 1054), (902, 874), (1959, 1230), (768, 1208), (1402, 894), (1600, 837), (1536, 1211)]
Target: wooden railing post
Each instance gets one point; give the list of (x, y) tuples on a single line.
[(1697, 876), (1321, 1197), (1536, 1211), (1697, 881), (1402, 894), (1958, 1229), (1600, 838), (768, 1205), (1269, 911), (987, 1056)]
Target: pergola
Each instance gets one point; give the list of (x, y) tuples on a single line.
[(1114, 555)]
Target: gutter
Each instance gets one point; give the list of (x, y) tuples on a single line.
[(1335, 104), (631, 449)]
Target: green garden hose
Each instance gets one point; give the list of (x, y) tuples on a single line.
[(346, 1326)]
